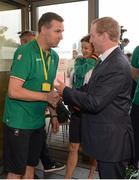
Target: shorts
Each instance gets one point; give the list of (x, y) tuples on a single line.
[(22, 147), (75, 129)]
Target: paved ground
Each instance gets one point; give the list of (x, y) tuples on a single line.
[(79, 173), (58, 148)]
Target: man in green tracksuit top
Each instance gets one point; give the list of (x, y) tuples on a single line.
[(135, 103), (29, 93)]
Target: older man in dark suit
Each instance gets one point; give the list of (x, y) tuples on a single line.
[(104, 103)]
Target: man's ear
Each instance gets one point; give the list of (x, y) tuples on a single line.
[(44, 29)]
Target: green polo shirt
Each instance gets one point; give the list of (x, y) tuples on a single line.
[(135, 63), (27, 65)]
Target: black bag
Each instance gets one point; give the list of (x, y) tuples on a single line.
[(63, 113)]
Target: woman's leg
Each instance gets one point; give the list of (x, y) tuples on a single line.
[(72, 159), (74, 139)]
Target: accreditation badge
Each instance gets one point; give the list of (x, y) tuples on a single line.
[(19, 57), (46, 87)]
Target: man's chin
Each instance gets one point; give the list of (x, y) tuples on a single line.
[(54, 45)]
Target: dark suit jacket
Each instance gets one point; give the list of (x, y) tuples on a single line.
[(106, 126)]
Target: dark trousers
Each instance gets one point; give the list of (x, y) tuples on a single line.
[(135, 122), (109, 170)]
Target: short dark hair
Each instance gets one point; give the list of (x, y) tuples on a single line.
[(47, 18), (26, 33), (108, 25), (126, 40), (87, 39)]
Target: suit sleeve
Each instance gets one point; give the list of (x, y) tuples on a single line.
[(107, 87)]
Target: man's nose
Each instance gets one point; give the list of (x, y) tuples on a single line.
[(61, 36)]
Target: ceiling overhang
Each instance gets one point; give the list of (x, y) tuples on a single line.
[(19, 3)]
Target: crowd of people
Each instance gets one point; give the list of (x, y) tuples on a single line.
[(103, 102)]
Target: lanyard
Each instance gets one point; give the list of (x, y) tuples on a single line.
[(44, 65)]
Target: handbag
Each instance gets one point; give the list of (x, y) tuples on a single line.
[(63, 113)]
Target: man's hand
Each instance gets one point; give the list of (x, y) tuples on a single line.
[(135, 73), (59, 85), (55, 125), (54, 120), (53, 98)]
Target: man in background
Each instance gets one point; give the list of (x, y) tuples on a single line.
[(124, 43), (26, 36), (135, 102)]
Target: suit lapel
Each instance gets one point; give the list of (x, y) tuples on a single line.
[(101, 67)]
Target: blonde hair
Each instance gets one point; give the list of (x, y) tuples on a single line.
[(108, 25)]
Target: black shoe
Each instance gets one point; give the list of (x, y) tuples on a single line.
[(55, 167)]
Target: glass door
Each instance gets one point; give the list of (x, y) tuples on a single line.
[(10, 24)]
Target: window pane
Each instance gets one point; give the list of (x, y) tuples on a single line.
[(75, 23), (10, 24), (126, 13)]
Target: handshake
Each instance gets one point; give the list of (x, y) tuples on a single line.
[(55, 95)]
